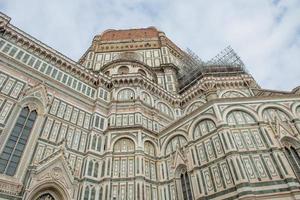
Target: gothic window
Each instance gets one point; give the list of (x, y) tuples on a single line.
[(96, 143), (99, 143), (270, 114), (232, 94), (96, 168), (124, 145), (100, 193), (93, 194), (186, 186), (176, 142), (123, 70), (86, 193), (194, 106), (149, 148), (126, 94), (294, 158), (103, 168), (15, 145), (165, 109), (94, 140), (239, 118), (90, 168), (123, 166), (93, 168), (146, 98), (204, 127)]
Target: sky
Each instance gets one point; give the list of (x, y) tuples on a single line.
[(264, 33)]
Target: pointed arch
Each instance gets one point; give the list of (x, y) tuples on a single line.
[(54, 188), (238, 117), (274, 106), (176, 141), (124, 145), (193, 106), (164, 108), (252, 113), (146, 98), (232, 94), (295, 108), (126, 94), (291, 150), (149, 148), (194, 124)]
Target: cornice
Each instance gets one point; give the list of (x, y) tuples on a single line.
[(47, 53), (205, 106)]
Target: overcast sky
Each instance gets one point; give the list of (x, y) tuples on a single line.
[(265, 33)]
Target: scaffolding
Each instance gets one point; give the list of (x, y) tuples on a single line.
[(193, 68)]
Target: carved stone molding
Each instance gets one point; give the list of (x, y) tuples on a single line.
[(10, 187)]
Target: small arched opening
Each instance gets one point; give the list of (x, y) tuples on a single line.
[(123, 70)]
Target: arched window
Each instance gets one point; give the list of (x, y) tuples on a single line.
[(90, 168), (146, 98), (123, 163), (232, 94), (126, 94), (103, 168), (86, 193), (149, 148), (96, 168), (142, 72), (186, 186), (123, 70), (94, 141), (271, 114), (294, 159), (165, 109), (93, 194), (204, 127), (176, 142), (16, 143), (99, 143), (124, 145), (239, 118), (194, 106), (100, 193)]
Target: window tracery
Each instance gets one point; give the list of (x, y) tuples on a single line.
[(239, 118), (124, 145), (232, 94), (149, 148), (146, 98), (194, 106), (126, 94), (176, 142), (17, 140), (204, 127), (165, 109), (271, 114)]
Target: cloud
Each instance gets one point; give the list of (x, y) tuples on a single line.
[(265, 33)]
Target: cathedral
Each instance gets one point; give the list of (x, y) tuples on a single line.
[(138, 118)]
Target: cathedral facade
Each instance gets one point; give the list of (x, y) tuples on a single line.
[(138, 118)]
